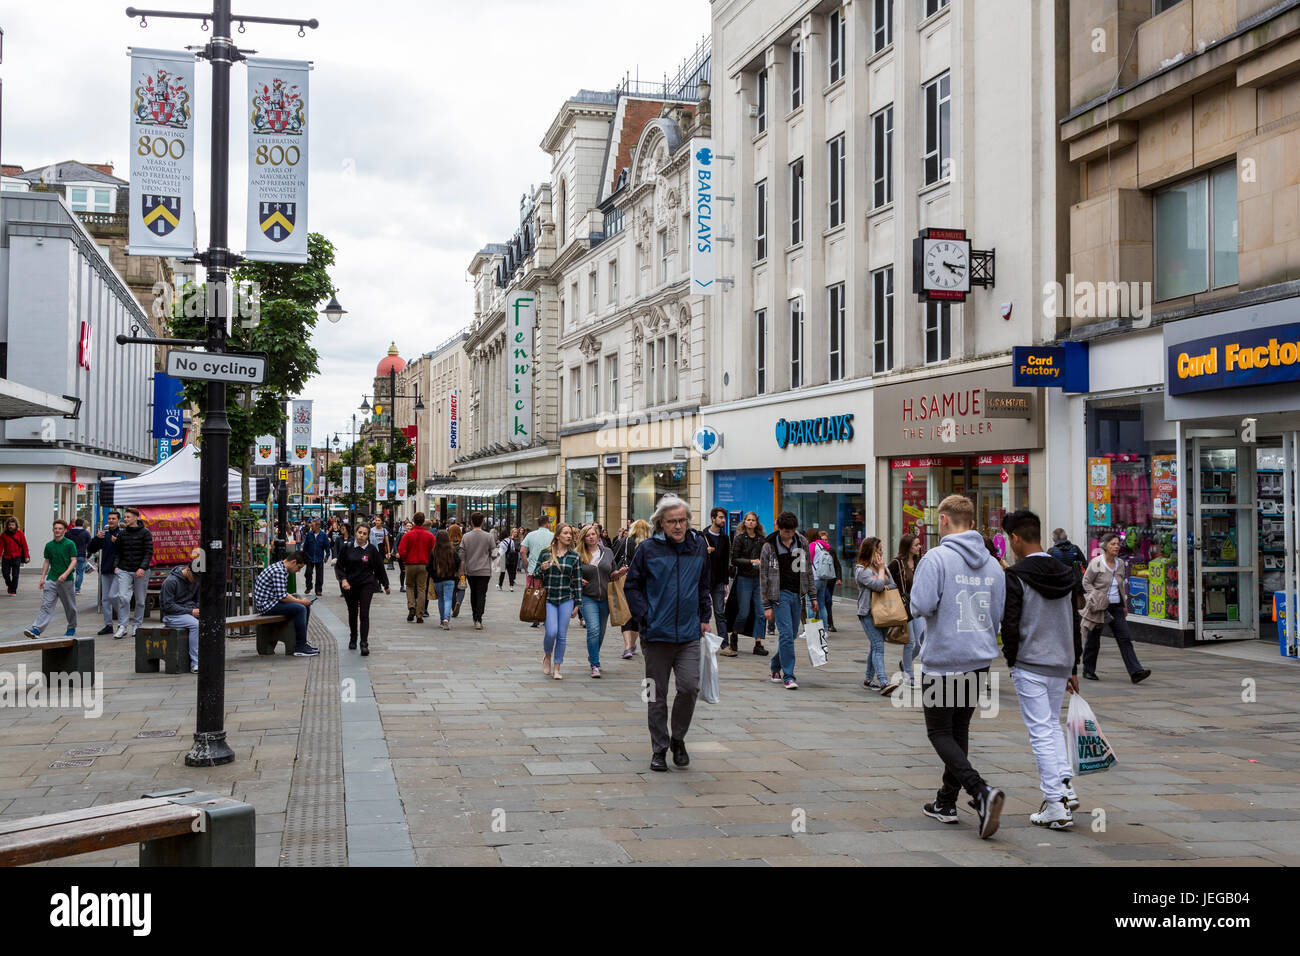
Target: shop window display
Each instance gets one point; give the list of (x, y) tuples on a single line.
[(997, 484), (648, 483), (580, 496)]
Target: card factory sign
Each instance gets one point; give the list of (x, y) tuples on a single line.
[(951, 414)]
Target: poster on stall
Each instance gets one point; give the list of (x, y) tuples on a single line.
[(1099, 492), (1164, 485), (175, 531)]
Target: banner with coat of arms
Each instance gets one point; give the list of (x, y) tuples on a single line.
[(401, 481), (162, 153), (299, 432), (265, 450), (277, 160), (381, 481), (347, 479)]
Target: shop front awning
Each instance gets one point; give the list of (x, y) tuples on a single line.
[(489, 487), (23, 401)]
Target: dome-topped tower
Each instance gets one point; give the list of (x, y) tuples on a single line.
[(392, 361)]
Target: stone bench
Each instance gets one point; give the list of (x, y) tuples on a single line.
[(272, 629)]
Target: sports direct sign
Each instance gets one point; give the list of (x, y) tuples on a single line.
[(453, 418)]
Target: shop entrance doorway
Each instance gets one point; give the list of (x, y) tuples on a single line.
[(1224, 539)]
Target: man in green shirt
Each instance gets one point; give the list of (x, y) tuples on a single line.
[(56, 582)]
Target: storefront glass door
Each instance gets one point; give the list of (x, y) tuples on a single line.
[(1225, 540)]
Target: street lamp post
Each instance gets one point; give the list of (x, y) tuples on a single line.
[(210, 747)]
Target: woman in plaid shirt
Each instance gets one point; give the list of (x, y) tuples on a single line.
[(561, 575)]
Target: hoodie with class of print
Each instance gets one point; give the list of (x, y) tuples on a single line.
[(1040, 624), (960, 590)]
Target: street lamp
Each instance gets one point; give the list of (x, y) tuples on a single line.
[(334, 312)]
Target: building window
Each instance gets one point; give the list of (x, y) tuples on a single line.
[(882, 317), (835, 64), (1196, 234), (796, 202), (938, 332), (938, 149), (1160, 6), (576, 299), (650, 373), (796, 76), (88, 199), (670, 372), (613, 222), (835, 181), (560, 219), (575, 393), (611, 374), (760, 349), (835, 332), (591, 288), (882, 24), (663, 256), (882, 157), (593, 383), (760, 122), (760, 224), (934, 6), (796, 343), (564, 312), (613, 282)]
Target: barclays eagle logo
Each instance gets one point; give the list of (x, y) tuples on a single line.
[(705, 156)]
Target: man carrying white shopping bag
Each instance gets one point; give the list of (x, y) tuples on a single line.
[(1042, 644)]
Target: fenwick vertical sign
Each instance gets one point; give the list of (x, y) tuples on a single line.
[(521, 319), (703, 268)]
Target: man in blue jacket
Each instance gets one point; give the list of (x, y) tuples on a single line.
[(667, 591), (316, 545)]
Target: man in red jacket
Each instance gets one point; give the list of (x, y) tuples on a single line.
[(413, 551)]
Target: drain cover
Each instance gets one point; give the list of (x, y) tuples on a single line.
[(146, 734), (65, 764), (85, 751)]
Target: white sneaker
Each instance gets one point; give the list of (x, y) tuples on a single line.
[(120, 632), (1054, 816), (1071, 798)]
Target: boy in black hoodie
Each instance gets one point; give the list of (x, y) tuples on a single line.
[(1042, 645)]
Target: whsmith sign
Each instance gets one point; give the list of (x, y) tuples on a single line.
[(814, 431)]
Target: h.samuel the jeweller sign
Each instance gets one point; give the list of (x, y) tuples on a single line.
[(814, 431)]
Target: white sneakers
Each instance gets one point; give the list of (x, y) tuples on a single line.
[(1054, 816), (1071, 798), (120, 632)]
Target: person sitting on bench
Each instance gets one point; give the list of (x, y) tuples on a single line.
[(271, 596), (179, 601)]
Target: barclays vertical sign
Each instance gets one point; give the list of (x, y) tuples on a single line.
[(703, 261)]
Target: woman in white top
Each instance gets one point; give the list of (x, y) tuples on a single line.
[(1105, 585)]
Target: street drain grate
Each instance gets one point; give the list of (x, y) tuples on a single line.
[(315, 831), (66, 764), (84, 751), (149, 734)]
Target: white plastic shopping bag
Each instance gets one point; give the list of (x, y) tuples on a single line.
[(1090, 751), (814, 634), (710, 644)]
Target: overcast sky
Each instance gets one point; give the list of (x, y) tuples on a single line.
[(426, 119)]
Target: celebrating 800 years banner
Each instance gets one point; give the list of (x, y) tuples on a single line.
[(277, 160), (162, 153)]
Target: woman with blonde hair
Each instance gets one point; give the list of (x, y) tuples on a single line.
[(597, 565), (746, 548), (639, 531), (561, 575)]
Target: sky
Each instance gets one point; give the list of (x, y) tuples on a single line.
[(425, 120)]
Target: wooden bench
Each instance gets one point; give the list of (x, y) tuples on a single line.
[(60, 655), (173, 828), (272, 629), (157, 643)]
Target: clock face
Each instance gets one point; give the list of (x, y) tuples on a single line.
[(946, 265)]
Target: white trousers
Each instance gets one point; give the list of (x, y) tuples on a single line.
[(1040, 706)]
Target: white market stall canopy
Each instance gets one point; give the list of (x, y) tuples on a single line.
[(174, 481)]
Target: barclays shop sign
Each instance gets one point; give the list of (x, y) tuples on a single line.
[(814, 431)]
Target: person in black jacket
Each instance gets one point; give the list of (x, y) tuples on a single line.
[(720, 574), (106, 540), (361, 573), (746, 548), (1042, 643), (133, 553)]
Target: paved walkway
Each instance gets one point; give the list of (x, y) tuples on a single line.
[(455, 749)]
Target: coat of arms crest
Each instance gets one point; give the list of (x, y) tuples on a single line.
[(279, 108)]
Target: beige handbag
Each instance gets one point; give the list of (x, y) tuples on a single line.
[(619, 612), (887, 609)]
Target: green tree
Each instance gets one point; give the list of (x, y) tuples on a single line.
[(288, 295)]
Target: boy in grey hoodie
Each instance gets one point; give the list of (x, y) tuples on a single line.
[(1042, 644), (959, 589)]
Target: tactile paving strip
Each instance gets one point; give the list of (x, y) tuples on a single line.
[(315, 831)]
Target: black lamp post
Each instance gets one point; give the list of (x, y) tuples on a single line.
[(210, 748)]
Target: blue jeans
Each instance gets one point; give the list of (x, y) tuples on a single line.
[(191, 623), (595, 614), (298, 613), (912, 649), (557, 629), (749, 601), (786, 613), (825, 588), (876, 657), (444, 591), (82, 564)]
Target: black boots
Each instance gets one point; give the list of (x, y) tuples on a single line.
[(365, 649), (680, 757), (352, 644)]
